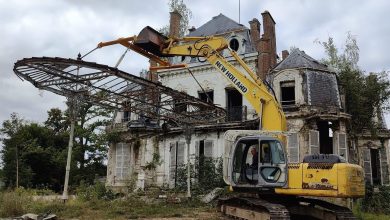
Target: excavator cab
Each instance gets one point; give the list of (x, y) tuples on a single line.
[(254, 160)]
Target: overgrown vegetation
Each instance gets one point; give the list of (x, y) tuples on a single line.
[(205, 175), (376, 202), (366, 94)]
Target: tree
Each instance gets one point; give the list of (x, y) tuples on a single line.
[(41, 150), (181, 7), (33, 151), (366, 95), (91, 142)]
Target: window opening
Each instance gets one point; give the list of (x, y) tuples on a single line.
[(204, 96), (287, 93), (234, 105), (176, 159), (234, 44), (375, 167), (326, 140), (126, 116)]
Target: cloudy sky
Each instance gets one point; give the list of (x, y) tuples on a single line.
[(65, 28)]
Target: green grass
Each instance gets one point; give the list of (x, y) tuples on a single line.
[(18, 202), (15, 203), (370, 216)]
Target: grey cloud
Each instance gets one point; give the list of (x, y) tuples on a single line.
[(64, 28)]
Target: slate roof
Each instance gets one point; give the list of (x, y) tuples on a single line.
[(299, 59), (218, 25)]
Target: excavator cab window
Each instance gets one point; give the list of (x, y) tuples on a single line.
[(258, 162), (246, 161)]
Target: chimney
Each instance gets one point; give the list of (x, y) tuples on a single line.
[(269, 33), (174, 24), (255, 32), (285, 54), (263, 64), (152, 76), (267, 46)]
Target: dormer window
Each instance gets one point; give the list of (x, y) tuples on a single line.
[(287, 90)]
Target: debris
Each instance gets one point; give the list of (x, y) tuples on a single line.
[(212, 195), (31, 216), (162, 196)]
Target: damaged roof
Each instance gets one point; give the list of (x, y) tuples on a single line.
[(218, 25), (299, 59)]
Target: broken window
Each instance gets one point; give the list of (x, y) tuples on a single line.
[(287, 93), (207, 96), (176, 159), (234, 106), (293, 148), (122, 166)]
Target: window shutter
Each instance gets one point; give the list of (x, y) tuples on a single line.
[(197, 149), (126, 161), (180, 153), (314, 142), (384, 166), (119, 161), (208, 148), (342, 139), (367, 165), (172, 162), (122, 167), (293, 148)]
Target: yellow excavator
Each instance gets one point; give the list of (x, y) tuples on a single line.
[(255, 163)]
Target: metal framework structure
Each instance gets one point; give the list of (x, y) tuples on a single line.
[(112, 88)]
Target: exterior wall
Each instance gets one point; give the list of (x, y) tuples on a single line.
[(290, 75), (141, 156), (209, 78), (364, 144)]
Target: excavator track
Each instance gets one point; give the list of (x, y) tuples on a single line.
[(253, 208), (282, 208)]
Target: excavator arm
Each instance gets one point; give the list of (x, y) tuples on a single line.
[(157, 47)]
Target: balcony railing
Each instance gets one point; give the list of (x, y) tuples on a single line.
[(236, 113)]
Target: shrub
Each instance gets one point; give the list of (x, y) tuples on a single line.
[(206, 175), (94, 192), (377, 202)]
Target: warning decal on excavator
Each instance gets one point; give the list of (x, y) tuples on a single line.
[(230, 76)]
